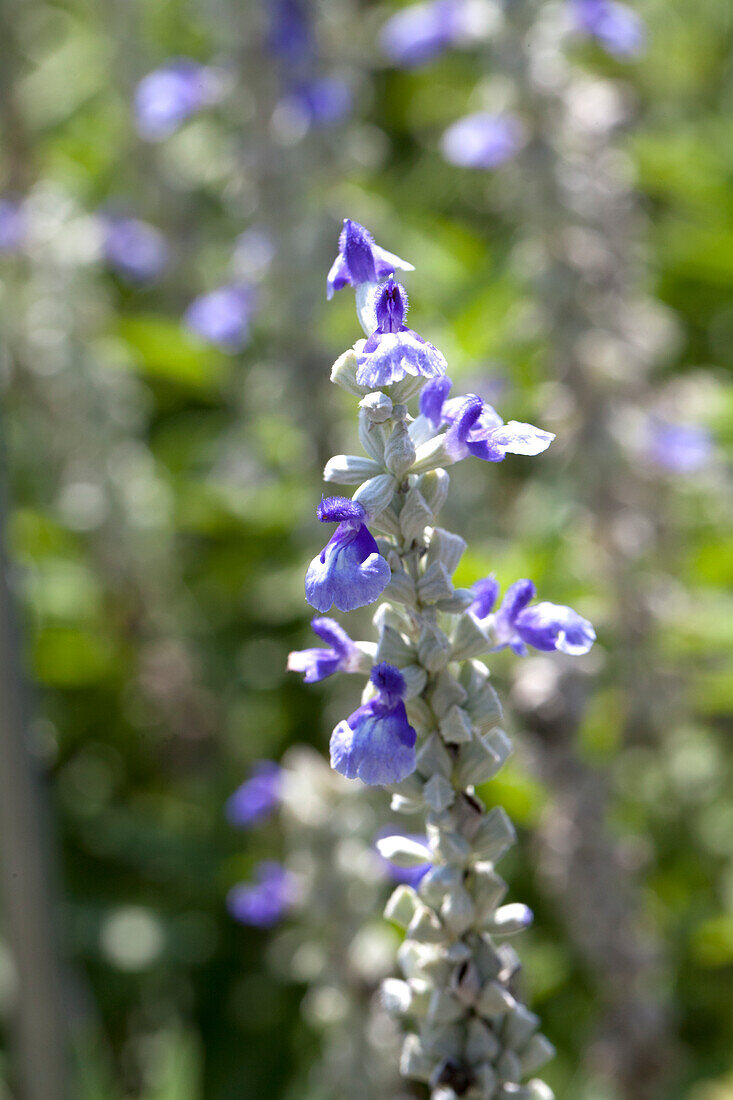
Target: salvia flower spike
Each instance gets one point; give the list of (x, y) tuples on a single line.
[(427, 727)]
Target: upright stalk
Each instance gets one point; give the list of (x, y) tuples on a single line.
[(430, 732)]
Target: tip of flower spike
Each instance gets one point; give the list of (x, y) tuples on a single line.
[(356, 245), (337, 509), (388, 680)]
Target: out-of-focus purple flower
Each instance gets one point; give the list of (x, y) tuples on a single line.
[(394, 350), (342, 655), (678, 448), (477, 429), (377, 743), (323, 101), (254, 251), (360, 260), (349, 572), (421, 32), (257, 797), (545, 626), (138, 251), (482, 140), (616, 26), (12, 225), (222, 317), (486, 593), (411, 876), (165, 98), (265, 901), (290, 32)]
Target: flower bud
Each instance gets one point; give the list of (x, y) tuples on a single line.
[(375, 494), (456, 728), (403, 851), (535, 1055), (494, 836), (351, 469), (519, 1026), (469, 639), (446, 548), (435, 584), (399, 452), (343, 373), (415, 516), (439, 793), (434, 487), (401, 907), (433, 648), (377, 406), (431, 455)]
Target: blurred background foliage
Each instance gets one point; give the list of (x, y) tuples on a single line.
[(160, 498)]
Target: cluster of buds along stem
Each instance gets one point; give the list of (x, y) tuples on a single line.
[(428, 729)]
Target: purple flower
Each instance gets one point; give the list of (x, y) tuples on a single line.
[(546, 626), (256, 799), (678, 448), (377, 743), (222, 317), (477, 429), (265, 901), (432, 399), (421, 32), (165, 98), (482, 140), (137, 250), (349, 572), (486, 594), (12, 225), (340, 656), (394, 350), (617, 27), (411, 876), (360, 260), (324, 101), (290, 35)]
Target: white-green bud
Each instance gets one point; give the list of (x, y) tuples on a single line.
[(435, 584), (376, 494), (434, 487), (393, 648), (433, 648), (372, 437), (455, 727), (415, 516), (519, 1026), (469, 639), (509, 919), (377, 406), (537, 1053), (343, 373), (439, 793), (494, 836), (403, 852), (431, 455), (401, 906), (446, 548), (351, 469), (399, 452)]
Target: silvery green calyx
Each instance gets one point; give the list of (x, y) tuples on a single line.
[(428, 725)]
